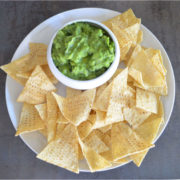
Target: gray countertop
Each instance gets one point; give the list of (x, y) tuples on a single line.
[(16, 21)]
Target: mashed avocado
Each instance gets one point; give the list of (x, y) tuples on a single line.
[(82, 51)]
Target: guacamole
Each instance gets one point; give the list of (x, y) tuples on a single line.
[(82, 51)]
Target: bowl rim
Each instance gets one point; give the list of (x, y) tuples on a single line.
[(85, 84)]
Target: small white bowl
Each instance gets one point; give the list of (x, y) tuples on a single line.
[(85, 84)]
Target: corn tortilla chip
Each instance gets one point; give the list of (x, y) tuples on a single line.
[(29, 120), (76, 109), (148, 131), (150, 75), (63, 151), (126, 142), (36, 88)]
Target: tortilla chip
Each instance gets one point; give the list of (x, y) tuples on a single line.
[(126, 142), (76, 109), (146, 100), (150, 75), (135, 116), (14, 67), (42, 110), (148, 131), (80, 153), (94, 142), (63, 151), (72, 92), (155, 56), (36, 88), (29, 120), (124, 20), (52, 113), (95, 161)]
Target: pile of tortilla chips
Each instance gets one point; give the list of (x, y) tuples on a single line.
[(112, 124)]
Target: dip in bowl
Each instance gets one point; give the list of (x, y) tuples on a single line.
[(83, 54)]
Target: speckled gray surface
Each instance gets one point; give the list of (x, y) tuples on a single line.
[(18, 161)]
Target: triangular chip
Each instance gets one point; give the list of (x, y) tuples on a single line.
[(76, 109), (146, 100), (126, 142), (16, 66), (29, 120), (36, 88), (94, 142), (148, 131), (135, 116), (52, 114), (150, 75), (63, 151), (95, 161)]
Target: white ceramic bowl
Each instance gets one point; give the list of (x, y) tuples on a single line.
[(85, 84)]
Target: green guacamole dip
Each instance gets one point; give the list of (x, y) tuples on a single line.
[(82, 51)]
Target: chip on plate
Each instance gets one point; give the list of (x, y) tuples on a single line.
[(36, 88), (126, 142), (63, 151), (29, 120), (76, 109)]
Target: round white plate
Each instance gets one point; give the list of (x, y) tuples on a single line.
[(43, 33)]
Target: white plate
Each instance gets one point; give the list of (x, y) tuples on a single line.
[(43, 33)]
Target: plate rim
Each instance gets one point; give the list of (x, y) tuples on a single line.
[(43, 23)]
